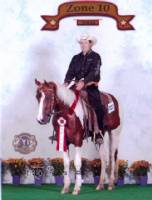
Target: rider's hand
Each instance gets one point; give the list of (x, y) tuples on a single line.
[(79, 85)]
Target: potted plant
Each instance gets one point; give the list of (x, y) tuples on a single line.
[(86, 167), (4, 168), (139, 170), (122, 171), (58, 169), (17, 168), (37, 167), (96, 170)]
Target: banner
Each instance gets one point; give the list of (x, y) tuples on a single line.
[(87, 8)]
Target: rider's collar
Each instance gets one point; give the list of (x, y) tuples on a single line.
[(87, 52)]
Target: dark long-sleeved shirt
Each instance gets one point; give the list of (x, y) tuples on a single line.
[(85, 67)]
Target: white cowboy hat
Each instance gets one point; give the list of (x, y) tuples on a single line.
[(87, 37)]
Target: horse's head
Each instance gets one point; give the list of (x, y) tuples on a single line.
[(46, 96)]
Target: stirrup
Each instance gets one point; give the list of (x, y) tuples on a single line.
[(53, 138)]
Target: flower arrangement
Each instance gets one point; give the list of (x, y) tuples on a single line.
[(58, 166), (122, 168), (16, 166), (140, 168), (86, 167), (37, 166), (36, 163), (96, 167), (4, 166)]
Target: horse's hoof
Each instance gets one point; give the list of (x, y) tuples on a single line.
[(65, 190), (100, 187), (76, 192), (110, 187)]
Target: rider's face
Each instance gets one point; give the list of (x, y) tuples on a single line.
[(85, 45)]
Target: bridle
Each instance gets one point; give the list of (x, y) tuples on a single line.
[(53, 112)]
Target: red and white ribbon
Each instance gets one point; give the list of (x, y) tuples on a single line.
[(61, 140)]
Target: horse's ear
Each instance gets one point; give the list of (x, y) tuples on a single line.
[(37, 82), (46, 83)]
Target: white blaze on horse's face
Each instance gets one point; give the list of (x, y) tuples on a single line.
[(40, 112)]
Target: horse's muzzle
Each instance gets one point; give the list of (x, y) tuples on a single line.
[(41, 122), (44, 121)]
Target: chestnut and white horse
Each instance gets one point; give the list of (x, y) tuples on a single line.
[(67, 118)]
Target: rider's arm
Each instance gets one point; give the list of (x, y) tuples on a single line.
[(71, 71), (94, 74)]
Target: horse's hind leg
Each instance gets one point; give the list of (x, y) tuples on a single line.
[(113, 151), (66, 173), (103, 167), (77, 163)]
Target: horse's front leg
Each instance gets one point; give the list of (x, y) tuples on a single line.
[(67, 181), (77, 163)]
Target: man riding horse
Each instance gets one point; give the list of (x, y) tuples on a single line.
[(69, 110), (85, 68)]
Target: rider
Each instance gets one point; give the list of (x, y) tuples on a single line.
[(85, 68)]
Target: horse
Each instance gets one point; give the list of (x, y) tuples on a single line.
[(65, 107)]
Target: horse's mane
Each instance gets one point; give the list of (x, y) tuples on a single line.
[(68, 97), (65, 94)]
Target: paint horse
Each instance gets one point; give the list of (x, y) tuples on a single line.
[(65, 107)]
